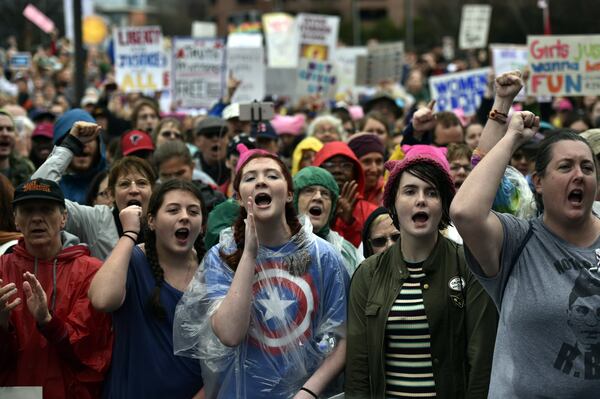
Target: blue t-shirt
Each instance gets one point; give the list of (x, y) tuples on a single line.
[(291, 319), (143, 363)]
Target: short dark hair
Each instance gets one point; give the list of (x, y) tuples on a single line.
[(457, 151)]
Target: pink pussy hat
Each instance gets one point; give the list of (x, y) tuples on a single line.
[(293, 125), (245, 154)]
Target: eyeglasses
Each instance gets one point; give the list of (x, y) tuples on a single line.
[(455, 167), (337, 165), (313, 190), (379, 242), (140, 183), (171, 134)]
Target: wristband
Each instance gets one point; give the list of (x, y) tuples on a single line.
[(73, 144), (314, 395), (130, 237), (498, 116), (131, 231)]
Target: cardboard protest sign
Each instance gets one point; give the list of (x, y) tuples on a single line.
[(317, 36), (281, 82), (139, 64), (564, 65), (383, 62), (346, 60), (462, 90), (281, 40), (247, 65), (197, 77), (474, 26), (316, 77)]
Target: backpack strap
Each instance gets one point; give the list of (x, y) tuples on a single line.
[(517, 254)]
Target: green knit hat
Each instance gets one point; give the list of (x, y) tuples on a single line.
[(315, 176), (221, 217)]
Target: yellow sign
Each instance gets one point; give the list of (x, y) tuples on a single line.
[(138, 82), (94, 30)]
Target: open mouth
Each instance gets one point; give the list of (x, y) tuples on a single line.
[(4, 145), (576, 196), (215, 148), (182, 233), (420, 217), (315, 211), (134, 202), (262, 199)]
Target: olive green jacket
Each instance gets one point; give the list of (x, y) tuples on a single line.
[(462, 323)]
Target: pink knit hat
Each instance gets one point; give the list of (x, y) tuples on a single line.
[(289, 124), (245, 154), (414, 154)]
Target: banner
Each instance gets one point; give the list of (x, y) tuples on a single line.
[(247, 65), (462, 90), (281, 40), (474, 26), (316, 77), (317, 36), (198, 77), (139, 64), (281, 82), (346, 60), (564, 65), (383, 62)]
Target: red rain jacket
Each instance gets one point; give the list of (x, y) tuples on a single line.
[(69, 356), (351, 232)]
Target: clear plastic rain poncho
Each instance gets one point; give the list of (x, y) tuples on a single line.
[(298, 316), (514, 195)]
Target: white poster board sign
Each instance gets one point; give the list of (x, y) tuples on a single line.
[(474, 26), (316, 77), (506, 58), (198, 77), (139, 64), (317, 36), (383, 62), (566, 65), (281, 40), (203, 29), (247, 65), (462, 90), (281, 82), (346, 60)]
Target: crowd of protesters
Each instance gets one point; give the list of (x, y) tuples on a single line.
[(366, 245)]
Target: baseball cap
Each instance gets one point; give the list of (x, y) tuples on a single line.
[(136, 140), (211, 125), (248, 141), (44, 129), (39, 189), (263, 130), (231, 111)]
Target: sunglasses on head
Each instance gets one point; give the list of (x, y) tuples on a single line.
[(379, 242)]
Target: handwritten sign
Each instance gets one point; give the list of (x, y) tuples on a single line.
[(383, 62), (462, 90), (506, 58), (139, 63), (346, 60), (316, 77), (317, 36), (281, 40), (247, 65), (564, 65), (474, 26), (198, 78)]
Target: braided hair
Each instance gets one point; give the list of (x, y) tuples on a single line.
[(156, 201), (239, 228)]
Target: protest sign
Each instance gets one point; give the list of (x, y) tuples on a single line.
[(139, 65), (237, 39), (204, 29), (383, 62), (506, 58), (281, 40), (462, 90), (20, 61), (316, 77), (40, 19), (474, 26), (564, 65), (247, 65), (281, 82), (198, 72), (317, 36), (346, 59)]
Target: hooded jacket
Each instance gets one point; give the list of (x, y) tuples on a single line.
[(309, 143), (362, 209), (69, 356)]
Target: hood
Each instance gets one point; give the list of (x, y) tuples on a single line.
[(314, 176), (71, 248), (367, 250), (334, 148), (309, 143)]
